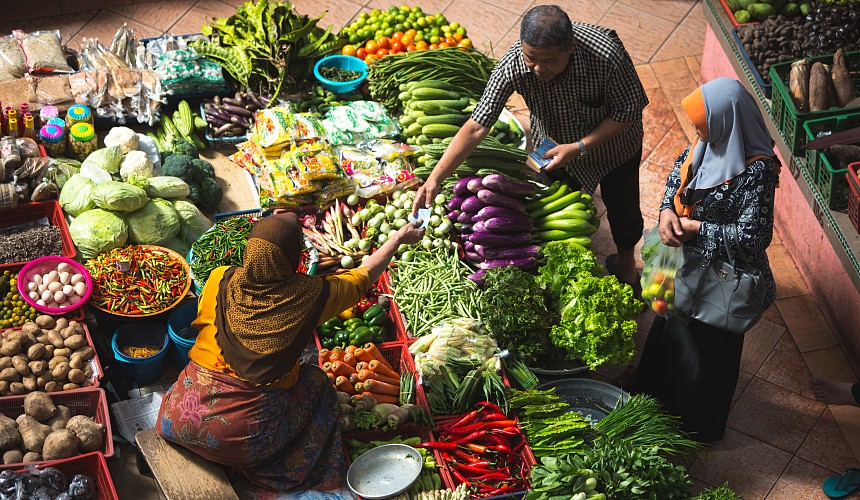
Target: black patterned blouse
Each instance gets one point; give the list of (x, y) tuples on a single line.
[(740, 211)]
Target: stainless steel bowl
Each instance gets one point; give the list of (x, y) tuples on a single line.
[(384, 471)]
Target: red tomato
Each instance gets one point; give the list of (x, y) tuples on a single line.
[(450, 40), (410, 48), (383, 42), (432, 46), (396, 36), (397, 47), (406, 39), (443, 45), (422, 45), (361, 53), (659, 306), (382, 52), (371, 47)]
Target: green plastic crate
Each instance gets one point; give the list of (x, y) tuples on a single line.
[(831, 181), (785, 115)]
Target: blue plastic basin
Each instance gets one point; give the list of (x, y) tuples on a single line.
[(345, 62), (180, 319), (143, 371)]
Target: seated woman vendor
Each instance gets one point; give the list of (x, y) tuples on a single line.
[(244, 401)]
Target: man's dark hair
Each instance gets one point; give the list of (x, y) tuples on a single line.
[(546, 26)]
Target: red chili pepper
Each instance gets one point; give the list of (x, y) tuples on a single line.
[(495, 476), (519, 447), (506, 432), (498, 440), (467, 419), (437, 445), (465, 456), (492, 406), (479, 449), (470, 437), (487, 417), (472, 471), (460, 477), (503, 489), (501, 448)]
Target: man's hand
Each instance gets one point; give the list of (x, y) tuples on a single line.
[(670, 228), (561, 155), (425, 196), (410, 233)]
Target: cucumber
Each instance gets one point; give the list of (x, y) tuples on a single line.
[(556, 205), (406, 120), (437, 104), (454, 119), (429, 94), (439, 130), (413, 129), (562, 190), (422, 139)]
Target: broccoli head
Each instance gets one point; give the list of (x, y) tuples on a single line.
[(181, 166), (193, 193), (210, 195), (203, 169), (184, 147)]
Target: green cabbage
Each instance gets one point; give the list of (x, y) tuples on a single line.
[(177, 245), (119, 196), (167, 187), (107, 159), (154, 224), (76, 197), (192, 222), (96, 231)]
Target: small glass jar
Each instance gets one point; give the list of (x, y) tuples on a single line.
[(58, 122), (46, 113), (78, 114), (82, 140), (54, 140)]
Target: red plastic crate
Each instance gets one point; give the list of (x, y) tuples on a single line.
[(88, 401), (395, 313), (854, 194), (90, 464), (98, 372), (27, 212), (731, 15)]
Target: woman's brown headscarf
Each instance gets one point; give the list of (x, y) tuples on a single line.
[(270, 310)]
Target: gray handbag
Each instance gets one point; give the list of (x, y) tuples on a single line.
[(719, 293)]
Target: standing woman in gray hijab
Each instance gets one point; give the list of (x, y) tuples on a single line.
[(720, 193)]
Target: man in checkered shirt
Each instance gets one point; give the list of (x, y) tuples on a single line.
[(583, 92)]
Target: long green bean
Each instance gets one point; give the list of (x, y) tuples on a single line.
[(433, 288)]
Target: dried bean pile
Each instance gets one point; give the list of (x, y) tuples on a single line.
[(28, 242)]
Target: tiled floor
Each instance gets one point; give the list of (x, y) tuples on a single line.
[(781, 443)]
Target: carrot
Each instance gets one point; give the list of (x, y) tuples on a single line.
[(378, 367), (341, 368), (367, 375), (350, 359), (331, 377), (323, 356), (353, 378), (363, 355), (336, 355), (342, 383), (327, 367), (370, 347), (377, 387), (350, 349), (359, 387), (361, 365), (383, 398)]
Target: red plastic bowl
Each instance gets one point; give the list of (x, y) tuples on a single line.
[(47, 264)]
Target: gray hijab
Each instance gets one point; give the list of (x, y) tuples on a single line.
[(736, 131)]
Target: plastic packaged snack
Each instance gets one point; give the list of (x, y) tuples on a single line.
[(305, 127), (272, 127), (12, 64), (43, 52)]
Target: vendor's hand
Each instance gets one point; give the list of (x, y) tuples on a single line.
[(561, 155), (670, 228), (410, 233), (425, 196)]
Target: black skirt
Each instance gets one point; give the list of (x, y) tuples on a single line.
[(693, 369)]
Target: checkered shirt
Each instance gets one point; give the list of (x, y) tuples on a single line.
[(599, 82)]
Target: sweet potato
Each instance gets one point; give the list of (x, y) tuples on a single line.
[(60, 444), (39, 406), (90, 432), (9, 435), (33, 433)]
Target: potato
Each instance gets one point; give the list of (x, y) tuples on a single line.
[(71, 385), (32, 456), (43, 338), (9, 435), (53, 386), (29, 382), (67, 332), (55, 339), (60, 444), (9, 374), (60, 324), (49, 351), (36, 351), (86, 352), (4, 387), (64, 352), (76, 376), (45, 322), (61, 417), (30, 327), (75, 342), (79, 328), (57, 360), (90, 432), (39, 406), (5, 362), (61, 371), (88, 371), (77, 361), (28, 340), (10, 347), (20, 364), (43, 379), (15, 335), (17, 388), (13, 457)]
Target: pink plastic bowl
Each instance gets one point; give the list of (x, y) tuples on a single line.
[(47, 264)]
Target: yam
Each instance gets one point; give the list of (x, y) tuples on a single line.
[(61, 418), (9, 435), (820, 93), (36, 351), (75, 342), (13, 457), (32, 456), (40, 406), (90, 432), (9, 374), (45, 321), (60, 444), (843, 86), (798, 85), (33, 433)]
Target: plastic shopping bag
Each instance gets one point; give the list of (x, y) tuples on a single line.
[(658, 275)]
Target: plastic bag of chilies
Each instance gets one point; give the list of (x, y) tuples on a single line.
[(658, 275)]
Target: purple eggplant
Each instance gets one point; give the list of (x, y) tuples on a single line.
[(468, 246), (525, 263), (498, 253), (507, 225), (455, 202), (491, 211), (452, 215), (477, 277), (475, 185), (461, 189), (505, 185), (474, 257), (490, 239), (495, 199), (478, 227), (465, 218), (471, 204)]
